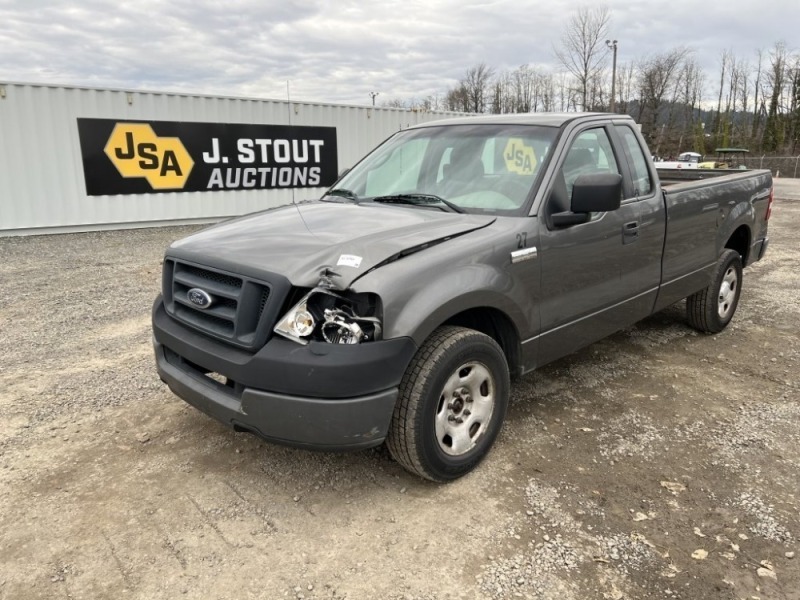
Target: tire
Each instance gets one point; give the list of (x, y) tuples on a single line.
[(710, 310), (452, 402)]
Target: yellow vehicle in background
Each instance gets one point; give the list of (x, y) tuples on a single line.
[(727, 158)]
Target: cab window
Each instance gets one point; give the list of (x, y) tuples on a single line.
[(589, 153), (642, 184)]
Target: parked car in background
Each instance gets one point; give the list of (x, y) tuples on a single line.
[(727, 158), (686, 160)]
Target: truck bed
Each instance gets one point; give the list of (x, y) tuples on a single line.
[(670, 177), (702, 201)]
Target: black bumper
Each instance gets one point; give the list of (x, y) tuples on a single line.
[(762, 247), (320, 396)]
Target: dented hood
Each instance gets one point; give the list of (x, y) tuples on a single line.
[(301, 241)]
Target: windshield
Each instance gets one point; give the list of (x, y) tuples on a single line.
[(471, 168)]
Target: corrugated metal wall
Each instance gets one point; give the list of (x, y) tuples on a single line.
[(42, 187)]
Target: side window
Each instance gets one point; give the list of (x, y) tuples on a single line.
[(641, 176), (589, 153)]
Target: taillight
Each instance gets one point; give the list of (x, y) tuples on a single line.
[(769, 204)]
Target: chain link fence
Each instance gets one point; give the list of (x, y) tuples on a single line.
[(781, 166)]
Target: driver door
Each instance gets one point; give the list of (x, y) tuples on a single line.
[(584, 289)]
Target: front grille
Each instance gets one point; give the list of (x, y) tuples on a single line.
[(263, 304), (205, 274), (242, 310)]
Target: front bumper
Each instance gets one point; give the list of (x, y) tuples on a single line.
[(319, 396)]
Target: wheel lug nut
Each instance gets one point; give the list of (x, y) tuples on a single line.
[(450, 406), (467, 413), (451, 418), (459, 420)]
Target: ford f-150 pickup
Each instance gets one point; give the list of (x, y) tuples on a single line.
[(457, 255)]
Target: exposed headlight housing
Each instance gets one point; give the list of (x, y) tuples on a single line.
[(298, 323), (326, 316)]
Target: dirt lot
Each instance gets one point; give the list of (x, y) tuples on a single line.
[(659, 463)]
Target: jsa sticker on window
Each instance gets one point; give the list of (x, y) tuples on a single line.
[(520, 158)]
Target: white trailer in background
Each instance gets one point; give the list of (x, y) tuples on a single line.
[(43, 167)]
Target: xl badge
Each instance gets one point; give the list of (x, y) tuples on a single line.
[(200, 298)]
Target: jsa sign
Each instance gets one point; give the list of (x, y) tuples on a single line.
[(134, 157)]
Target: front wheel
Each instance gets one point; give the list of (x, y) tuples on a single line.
[(710, 310), (451, 405)]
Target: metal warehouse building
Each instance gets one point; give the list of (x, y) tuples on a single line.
[(76, 159)]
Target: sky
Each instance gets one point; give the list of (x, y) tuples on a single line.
[(341, 51)]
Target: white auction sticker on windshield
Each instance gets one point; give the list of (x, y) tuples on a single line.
[(349, 260)]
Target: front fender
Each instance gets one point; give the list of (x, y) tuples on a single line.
[(414, 307)]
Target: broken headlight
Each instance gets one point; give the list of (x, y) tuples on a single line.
[(327, 316)]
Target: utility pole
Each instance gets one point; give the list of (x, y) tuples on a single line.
[(612, 44), (373, 94)]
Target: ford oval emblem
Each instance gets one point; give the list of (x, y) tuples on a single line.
[(199, 298)]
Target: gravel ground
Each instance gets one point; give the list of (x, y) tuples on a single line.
[(658, 463)]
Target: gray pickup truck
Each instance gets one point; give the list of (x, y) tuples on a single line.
[(455, 256)]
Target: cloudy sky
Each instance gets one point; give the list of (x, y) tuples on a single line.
[(340, 51)]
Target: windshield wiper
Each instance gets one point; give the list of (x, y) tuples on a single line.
[(343, 193), (420, 200)]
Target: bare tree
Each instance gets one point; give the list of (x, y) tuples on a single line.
[(724, 60), (626, 84), (520, 90), (431, 102), (773, 132), (795, 106), (582, 50), (457, 99), (691, 80), (547, 87), (502, 99), (744, 93), (757, 86), (597, 99), (657, 76), (476, 84), (394, 103), (728, 124), (526, 82)]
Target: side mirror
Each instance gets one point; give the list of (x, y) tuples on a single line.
[(597, 192)]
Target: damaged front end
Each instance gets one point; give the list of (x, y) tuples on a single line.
[(326, 315)]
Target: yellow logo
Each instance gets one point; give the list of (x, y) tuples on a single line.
[(137, 151), (520, 158)]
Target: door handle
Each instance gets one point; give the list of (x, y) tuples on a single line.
[(630, 232)]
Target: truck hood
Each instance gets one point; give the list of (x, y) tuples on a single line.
[(305, 241)]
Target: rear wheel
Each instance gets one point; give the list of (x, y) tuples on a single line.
[(710, 310), (451, 406)]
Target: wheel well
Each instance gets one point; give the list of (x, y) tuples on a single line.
[(740, 242), (497, 326)]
